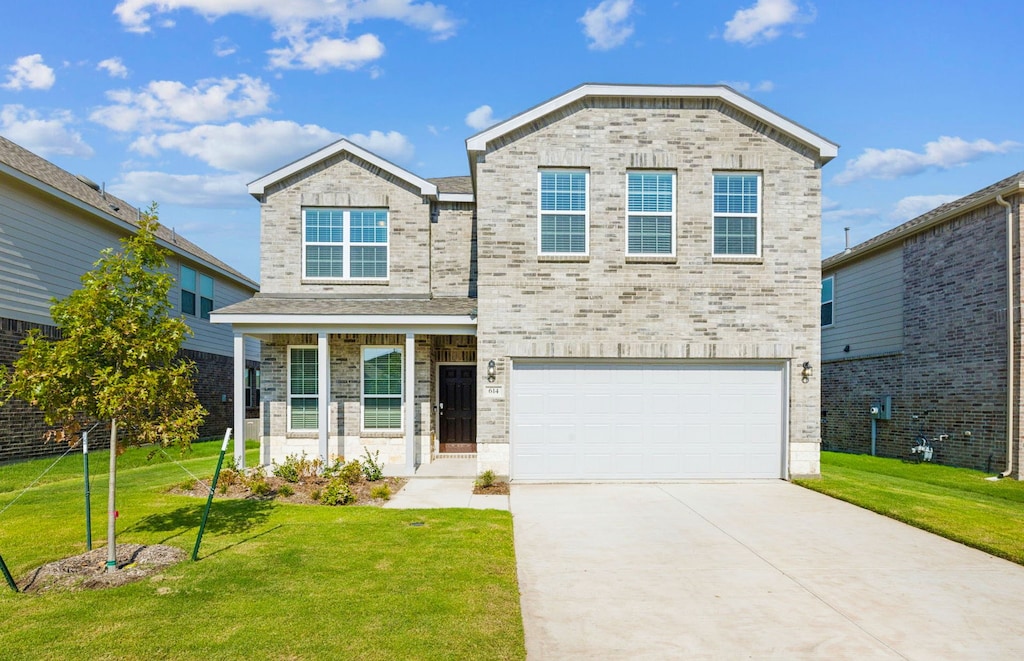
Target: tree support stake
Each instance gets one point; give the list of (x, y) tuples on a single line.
[(209, 499)]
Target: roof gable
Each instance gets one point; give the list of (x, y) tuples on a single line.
[(825, 149)]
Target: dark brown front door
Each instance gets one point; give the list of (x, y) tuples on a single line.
[(456, 406)]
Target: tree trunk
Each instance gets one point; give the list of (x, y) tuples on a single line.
[(111, 505)]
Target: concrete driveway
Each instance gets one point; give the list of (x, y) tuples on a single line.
[(749, 570)]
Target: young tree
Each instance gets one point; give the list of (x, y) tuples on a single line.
[(117, 359)]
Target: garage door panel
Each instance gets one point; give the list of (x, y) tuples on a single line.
[(578, 421)]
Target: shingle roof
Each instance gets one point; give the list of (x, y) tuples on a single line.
[(45, 172), (461, 185), (937, 215), (328, 305)]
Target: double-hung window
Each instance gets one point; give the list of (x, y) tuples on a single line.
[(193, 283), (382, 388), (737, 214), (563, 212), (345, 244), (650, 213), (827, 301), (303, 388)]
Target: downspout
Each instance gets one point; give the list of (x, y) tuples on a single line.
[(1010, 327)]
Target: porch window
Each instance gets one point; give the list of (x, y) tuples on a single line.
[(345, 244), (382, 388), (737, 214), (303, 388)]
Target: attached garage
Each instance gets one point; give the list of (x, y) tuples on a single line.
[(647, 421)]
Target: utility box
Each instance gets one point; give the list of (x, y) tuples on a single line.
[(882, 408)]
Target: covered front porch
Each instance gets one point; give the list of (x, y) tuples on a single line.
[(343, 377)]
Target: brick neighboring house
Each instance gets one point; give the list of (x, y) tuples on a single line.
[(623, 288), (919, 313), (53, 226)]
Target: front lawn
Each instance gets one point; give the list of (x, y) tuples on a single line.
[(273, 580), (957, 503)]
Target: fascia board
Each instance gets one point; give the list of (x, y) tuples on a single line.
[(455, 197)]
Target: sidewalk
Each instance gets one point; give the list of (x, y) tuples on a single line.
[(444, 483)]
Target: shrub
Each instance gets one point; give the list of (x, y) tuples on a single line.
[(381, 492), (331, 470), (296, 468), (315, 494), (486, 479), (337, 492), (351, 472), (259, 487), (188, 485), (285, 490), (372, 469)]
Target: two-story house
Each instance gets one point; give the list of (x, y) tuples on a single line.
[(624, 288), (53, 225)]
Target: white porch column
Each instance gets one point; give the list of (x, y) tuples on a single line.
[(323, 367), (239, 400), (410, 403)]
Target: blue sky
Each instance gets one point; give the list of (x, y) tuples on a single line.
[(186, 101)]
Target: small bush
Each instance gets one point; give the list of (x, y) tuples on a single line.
[(228, 476), (188, 485), (486, 479), (351, 472), (381, 492), (372, 469), (315, 494), (332, 469), (296, 468), (286, 490), (337, 492), (260, 488)]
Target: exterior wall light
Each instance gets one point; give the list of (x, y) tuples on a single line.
[(806, 371), (490, 370)]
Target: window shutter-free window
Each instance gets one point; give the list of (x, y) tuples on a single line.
[(737, 214), (303, 388), (563, 212), (382, 388), (343, 244), (188, 290), (205, 296), (650, 210), (827, 300)]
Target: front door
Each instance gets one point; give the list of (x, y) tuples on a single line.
[(456, 408)]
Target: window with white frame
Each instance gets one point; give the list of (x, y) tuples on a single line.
[(563, 212), (650, 213), (193, 284), (827, 301), (737, 214), (303, 388), (382, 388), (345, 244)]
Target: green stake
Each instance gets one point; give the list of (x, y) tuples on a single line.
[(7, 575), (209, 500), (88, 506)]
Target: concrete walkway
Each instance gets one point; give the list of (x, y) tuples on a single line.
[(749, 570), (433, 492)]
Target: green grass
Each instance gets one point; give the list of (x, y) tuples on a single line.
[(274, 581), (957, 503)]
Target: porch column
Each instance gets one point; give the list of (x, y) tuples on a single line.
[(323, 367), (410, 403), (239, 400)]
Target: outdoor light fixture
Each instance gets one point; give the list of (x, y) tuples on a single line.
[(806, 372), (490, 370)]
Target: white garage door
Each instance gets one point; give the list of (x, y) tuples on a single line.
[(612, 421)]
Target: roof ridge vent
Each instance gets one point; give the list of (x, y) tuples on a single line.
[(88, 182)]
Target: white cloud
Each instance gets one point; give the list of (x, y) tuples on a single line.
[(836, 214), (254, 149), (481, 118), (222, 47), (391, 145), (314, 31), (744, 86), (325, 53), (191, 190), (29, 72), (943, 154), (167, 103), (606, 25), (913, 206), (764, 21), (50, 136), (113, 66)]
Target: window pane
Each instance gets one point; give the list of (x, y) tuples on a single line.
[(369, 262), (382, 413), (650, 193), (324, 226), (826, 290), (188, 302), (563, 233), (303, 376), (368, 226), (205, 307), (650, 235), (324, 262), (188, 279), (735, 193), (304, 413), (563, 191), (826, 314), (382, 371), (735, 236)]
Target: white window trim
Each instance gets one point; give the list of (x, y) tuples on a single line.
[(831, 300), (346, 245), (362, 392), (758, 215), (585, 214), (671, 214), (288, 376)]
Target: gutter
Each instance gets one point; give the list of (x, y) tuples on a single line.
[(1010, 324)]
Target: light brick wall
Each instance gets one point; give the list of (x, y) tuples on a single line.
[(453, 249), (606, 306)]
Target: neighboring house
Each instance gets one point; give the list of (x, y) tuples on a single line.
[(918, 314), (624, 288), (53, 226)]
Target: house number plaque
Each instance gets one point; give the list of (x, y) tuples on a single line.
[(494, 392)]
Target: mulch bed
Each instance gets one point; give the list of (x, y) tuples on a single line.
[(303, 491), (88, 571), (495, 489)]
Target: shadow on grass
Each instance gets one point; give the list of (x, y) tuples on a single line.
[(227, 517), (240, 542)]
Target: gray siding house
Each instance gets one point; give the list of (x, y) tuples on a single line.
[(919, 314), (53, 226), (624, 288)]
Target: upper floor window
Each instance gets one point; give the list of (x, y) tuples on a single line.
[(827, 300), (345, 244), (196, 285), (650, 213), (563, 212), (737, 214)]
